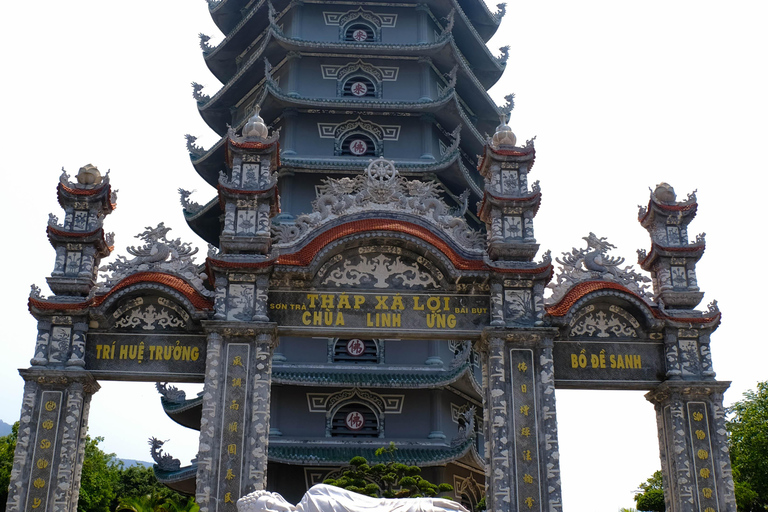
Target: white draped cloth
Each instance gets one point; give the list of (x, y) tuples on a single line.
[(327, 498)]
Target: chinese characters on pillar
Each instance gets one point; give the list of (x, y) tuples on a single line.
[(524, 423), (45, 442), (698, 423), (233, 424)]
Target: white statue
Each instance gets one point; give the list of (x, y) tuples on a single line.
[(327, 498)]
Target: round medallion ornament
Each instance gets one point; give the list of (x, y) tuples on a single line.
[(359, 35), (359, 89), (354, 421), (355, 347), (358, 147)]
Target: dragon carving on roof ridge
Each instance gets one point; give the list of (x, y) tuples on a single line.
[(158, 254), (594, 264)]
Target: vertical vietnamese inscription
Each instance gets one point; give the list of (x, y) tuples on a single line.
[(526, 429), (42, 459), (233, 425), (698, 423)]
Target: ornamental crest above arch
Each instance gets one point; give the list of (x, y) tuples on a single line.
[(339, 72), (328, 402), (339, 130), (379, 20), (594, 264), (157, 255), (381, 188), (353, 67)]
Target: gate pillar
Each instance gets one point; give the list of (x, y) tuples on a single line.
[(695, 464), (51, 442), (522, 459), (234, 428)]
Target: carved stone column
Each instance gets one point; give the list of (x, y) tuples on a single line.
[(694, 448), (50, 447), (523, 470), (234, 428)]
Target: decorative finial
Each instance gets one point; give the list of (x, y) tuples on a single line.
[(89, 175), (255, 126), (504, 135), (665, 193)]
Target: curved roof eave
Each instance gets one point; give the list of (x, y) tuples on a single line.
[(446, 109), (325, 451), (221, 61), (329, 451), (216, 110), (209, 165), (226, 13), (486, 22), (205, 222)]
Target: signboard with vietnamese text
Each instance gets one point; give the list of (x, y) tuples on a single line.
[(609, 364), (415, 314), (146, 356)]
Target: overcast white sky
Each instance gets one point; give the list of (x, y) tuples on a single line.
[(621, 95)]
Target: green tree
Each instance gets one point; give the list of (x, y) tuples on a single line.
[(650, 495), (7, 447), (104, 482), (99, 479), (140, 482), (748, 429), (386, 480), (154, 503)]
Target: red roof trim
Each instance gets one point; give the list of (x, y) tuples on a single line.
[(251, 145), (61, 306), (689, 248), (239, 264), (180, 285), (515, 199), (305, 256), (82, 191), (246, 192), (580, 290), (538, 270), (71, 234)]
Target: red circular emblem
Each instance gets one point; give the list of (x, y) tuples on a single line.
[(358, 147), (359, 35), (359, 89), (354, 421), (355, 347)]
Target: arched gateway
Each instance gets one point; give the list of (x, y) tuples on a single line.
[(368, 301)]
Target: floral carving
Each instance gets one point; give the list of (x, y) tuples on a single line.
[(150, 318), (602, 324), (382, 188), (381, 271)]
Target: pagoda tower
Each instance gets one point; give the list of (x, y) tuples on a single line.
[(319, 90), (369, 282)]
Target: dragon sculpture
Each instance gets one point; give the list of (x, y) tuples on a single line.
[(594, 264), (164, 461)]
